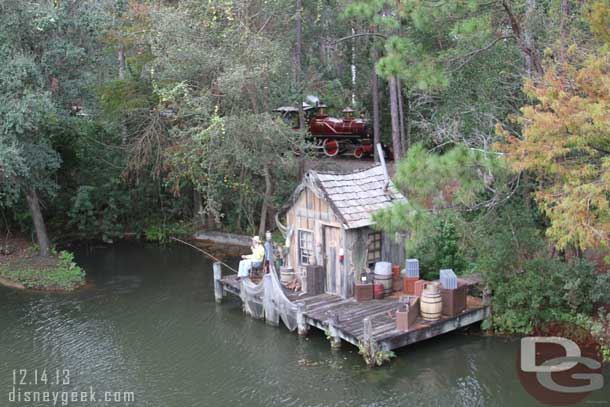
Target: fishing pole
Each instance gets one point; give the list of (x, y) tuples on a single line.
[(204, 252)]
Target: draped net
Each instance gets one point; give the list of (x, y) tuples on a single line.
[(268, 300)]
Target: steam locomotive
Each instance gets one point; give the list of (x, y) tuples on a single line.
[(333, 136)]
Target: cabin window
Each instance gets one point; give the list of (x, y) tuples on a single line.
[(305, 247), (374, 248)]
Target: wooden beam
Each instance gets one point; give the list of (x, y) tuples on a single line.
[(302, 326), (218, 291), (333, 331), (435, 329)]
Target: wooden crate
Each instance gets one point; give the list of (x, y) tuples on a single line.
[(363, 292), (408, 285), (406, 320), (454, 301), (316, 280), (419, 287)]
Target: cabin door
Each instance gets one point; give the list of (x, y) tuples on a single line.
[(332, 243)]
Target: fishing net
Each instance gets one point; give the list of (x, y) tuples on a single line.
[(268, 300), (252, 297)]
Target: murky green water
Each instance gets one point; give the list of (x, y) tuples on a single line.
[(149, 325)]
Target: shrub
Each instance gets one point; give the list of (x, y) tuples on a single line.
[(60, 273)]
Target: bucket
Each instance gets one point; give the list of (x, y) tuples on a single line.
[(287, 275), (396, 271), (378, 290), (431, 302), (383, 268)]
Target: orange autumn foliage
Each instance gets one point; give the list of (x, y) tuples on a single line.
[(566, 143)]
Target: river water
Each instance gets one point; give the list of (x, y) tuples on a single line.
[(148, 324)]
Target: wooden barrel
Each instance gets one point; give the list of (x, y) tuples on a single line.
[(383, 275), (287, 275), (386, 281), (431, 302), (378, 290), (396, 284)]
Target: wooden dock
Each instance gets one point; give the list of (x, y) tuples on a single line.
[(356, 322)]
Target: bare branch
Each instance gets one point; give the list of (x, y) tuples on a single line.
[(370, 34)]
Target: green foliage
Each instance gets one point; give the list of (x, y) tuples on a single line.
[(464, 212), (161, 233), (440, 250), (599, 326), (545, 290), (441, 186), (63, 274), (373, 355)]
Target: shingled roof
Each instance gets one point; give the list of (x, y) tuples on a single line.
[(354, 196)]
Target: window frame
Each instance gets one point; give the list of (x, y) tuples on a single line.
[(301, 249), (374, 253)]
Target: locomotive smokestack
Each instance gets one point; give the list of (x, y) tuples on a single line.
[(314, 100)]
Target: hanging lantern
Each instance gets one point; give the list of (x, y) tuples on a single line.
[(363, 278)]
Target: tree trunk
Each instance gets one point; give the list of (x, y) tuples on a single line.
[(401, 118), (395, 119), (525, 39), (299, 75), (564, 30), (353, 69), (39, 226), (121, 58), (197, 208), (375, 91), (240, 206), (297, 59), (408, 121), (267, 198), (266, 94)]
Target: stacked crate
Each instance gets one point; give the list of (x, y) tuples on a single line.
[(453, 293), (411, 275)]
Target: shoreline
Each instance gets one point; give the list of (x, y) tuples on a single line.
[(11, 284)]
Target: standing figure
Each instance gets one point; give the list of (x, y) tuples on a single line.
[(254, 260), (268, 251)]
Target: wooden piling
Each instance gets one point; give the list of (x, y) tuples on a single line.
[(333, 332), (368, 343), (367, 332), (302, 325), (218, 290)]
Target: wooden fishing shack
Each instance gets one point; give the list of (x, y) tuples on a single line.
[(330, 232), (329, 224)]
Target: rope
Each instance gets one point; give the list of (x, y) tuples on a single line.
[(204, 252)]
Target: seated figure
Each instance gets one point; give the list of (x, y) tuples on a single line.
[(254, 260)]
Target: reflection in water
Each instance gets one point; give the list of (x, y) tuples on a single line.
[(148, 323)]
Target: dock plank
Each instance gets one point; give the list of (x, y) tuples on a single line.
[(350, 316)]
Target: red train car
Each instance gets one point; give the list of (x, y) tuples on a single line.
[(331, 135)]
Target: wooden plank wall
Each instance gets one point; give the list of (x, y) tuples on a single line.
[(393, 249), (309, 213), (355, 257)]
